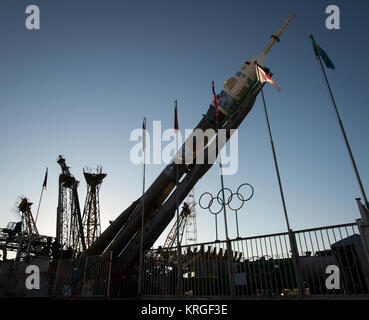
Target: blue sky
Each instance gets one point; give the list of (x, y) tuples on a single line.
[(84, 81)]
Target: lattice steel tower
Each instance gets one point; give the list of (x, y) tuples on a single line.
[(69, 230), (28, 227), (91, 213), (171, 239), (28, 223), (191, 225)]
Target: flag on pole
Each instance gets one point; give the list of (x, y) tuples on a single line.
[(215, 100), (175, 117), (320, 52), (144, 134), (263, 77), (45, 181)]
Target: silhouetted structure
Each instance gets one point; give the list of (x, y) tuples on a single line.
[(91, 213), (69, 229)]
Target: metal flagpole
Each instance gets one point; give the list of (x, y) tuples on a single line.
[(343, 132), (42, 191), (39, 203), (229, 247), (179, 289), (140, 275), (276, 163), (290, 233), (228, 243)]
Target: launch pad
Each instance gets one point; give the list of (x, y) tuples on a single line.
[(83, 262)]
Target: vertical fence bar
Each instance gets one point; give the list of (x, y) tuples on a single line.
[(108, 276)]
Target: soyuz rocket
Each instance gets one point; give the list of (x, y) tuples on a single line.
[(122, 237)]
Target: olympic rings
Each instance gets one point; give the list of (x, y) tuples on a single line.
[(222, 202), (210, 202), (221, 206), (242, 201), (252, 191), (222, 190)]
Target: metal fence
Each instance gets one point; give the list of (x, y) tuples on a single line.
[(263, 266), (339, 246), (123, 280), (329, 261), (82, 277)]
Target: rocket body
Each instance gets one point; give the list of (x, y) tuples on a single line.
[(236, 90)]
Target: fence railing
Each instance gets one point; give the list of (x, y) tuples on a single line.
[(82, 277), (330, 261), (264, 266), (339, 246)]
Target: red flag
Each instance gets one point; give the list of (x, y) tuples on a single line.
[(175, 117), (263, 77)]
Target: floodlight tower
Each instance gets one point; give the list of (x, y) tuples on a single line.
[(91, 213)]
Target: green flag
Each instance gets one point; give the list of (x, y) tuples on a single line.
[(320, 52)]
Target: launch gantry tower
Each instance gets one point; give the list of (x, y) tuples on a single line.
[(69, 229), (186, 224), (179, 227), (191, 224)]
